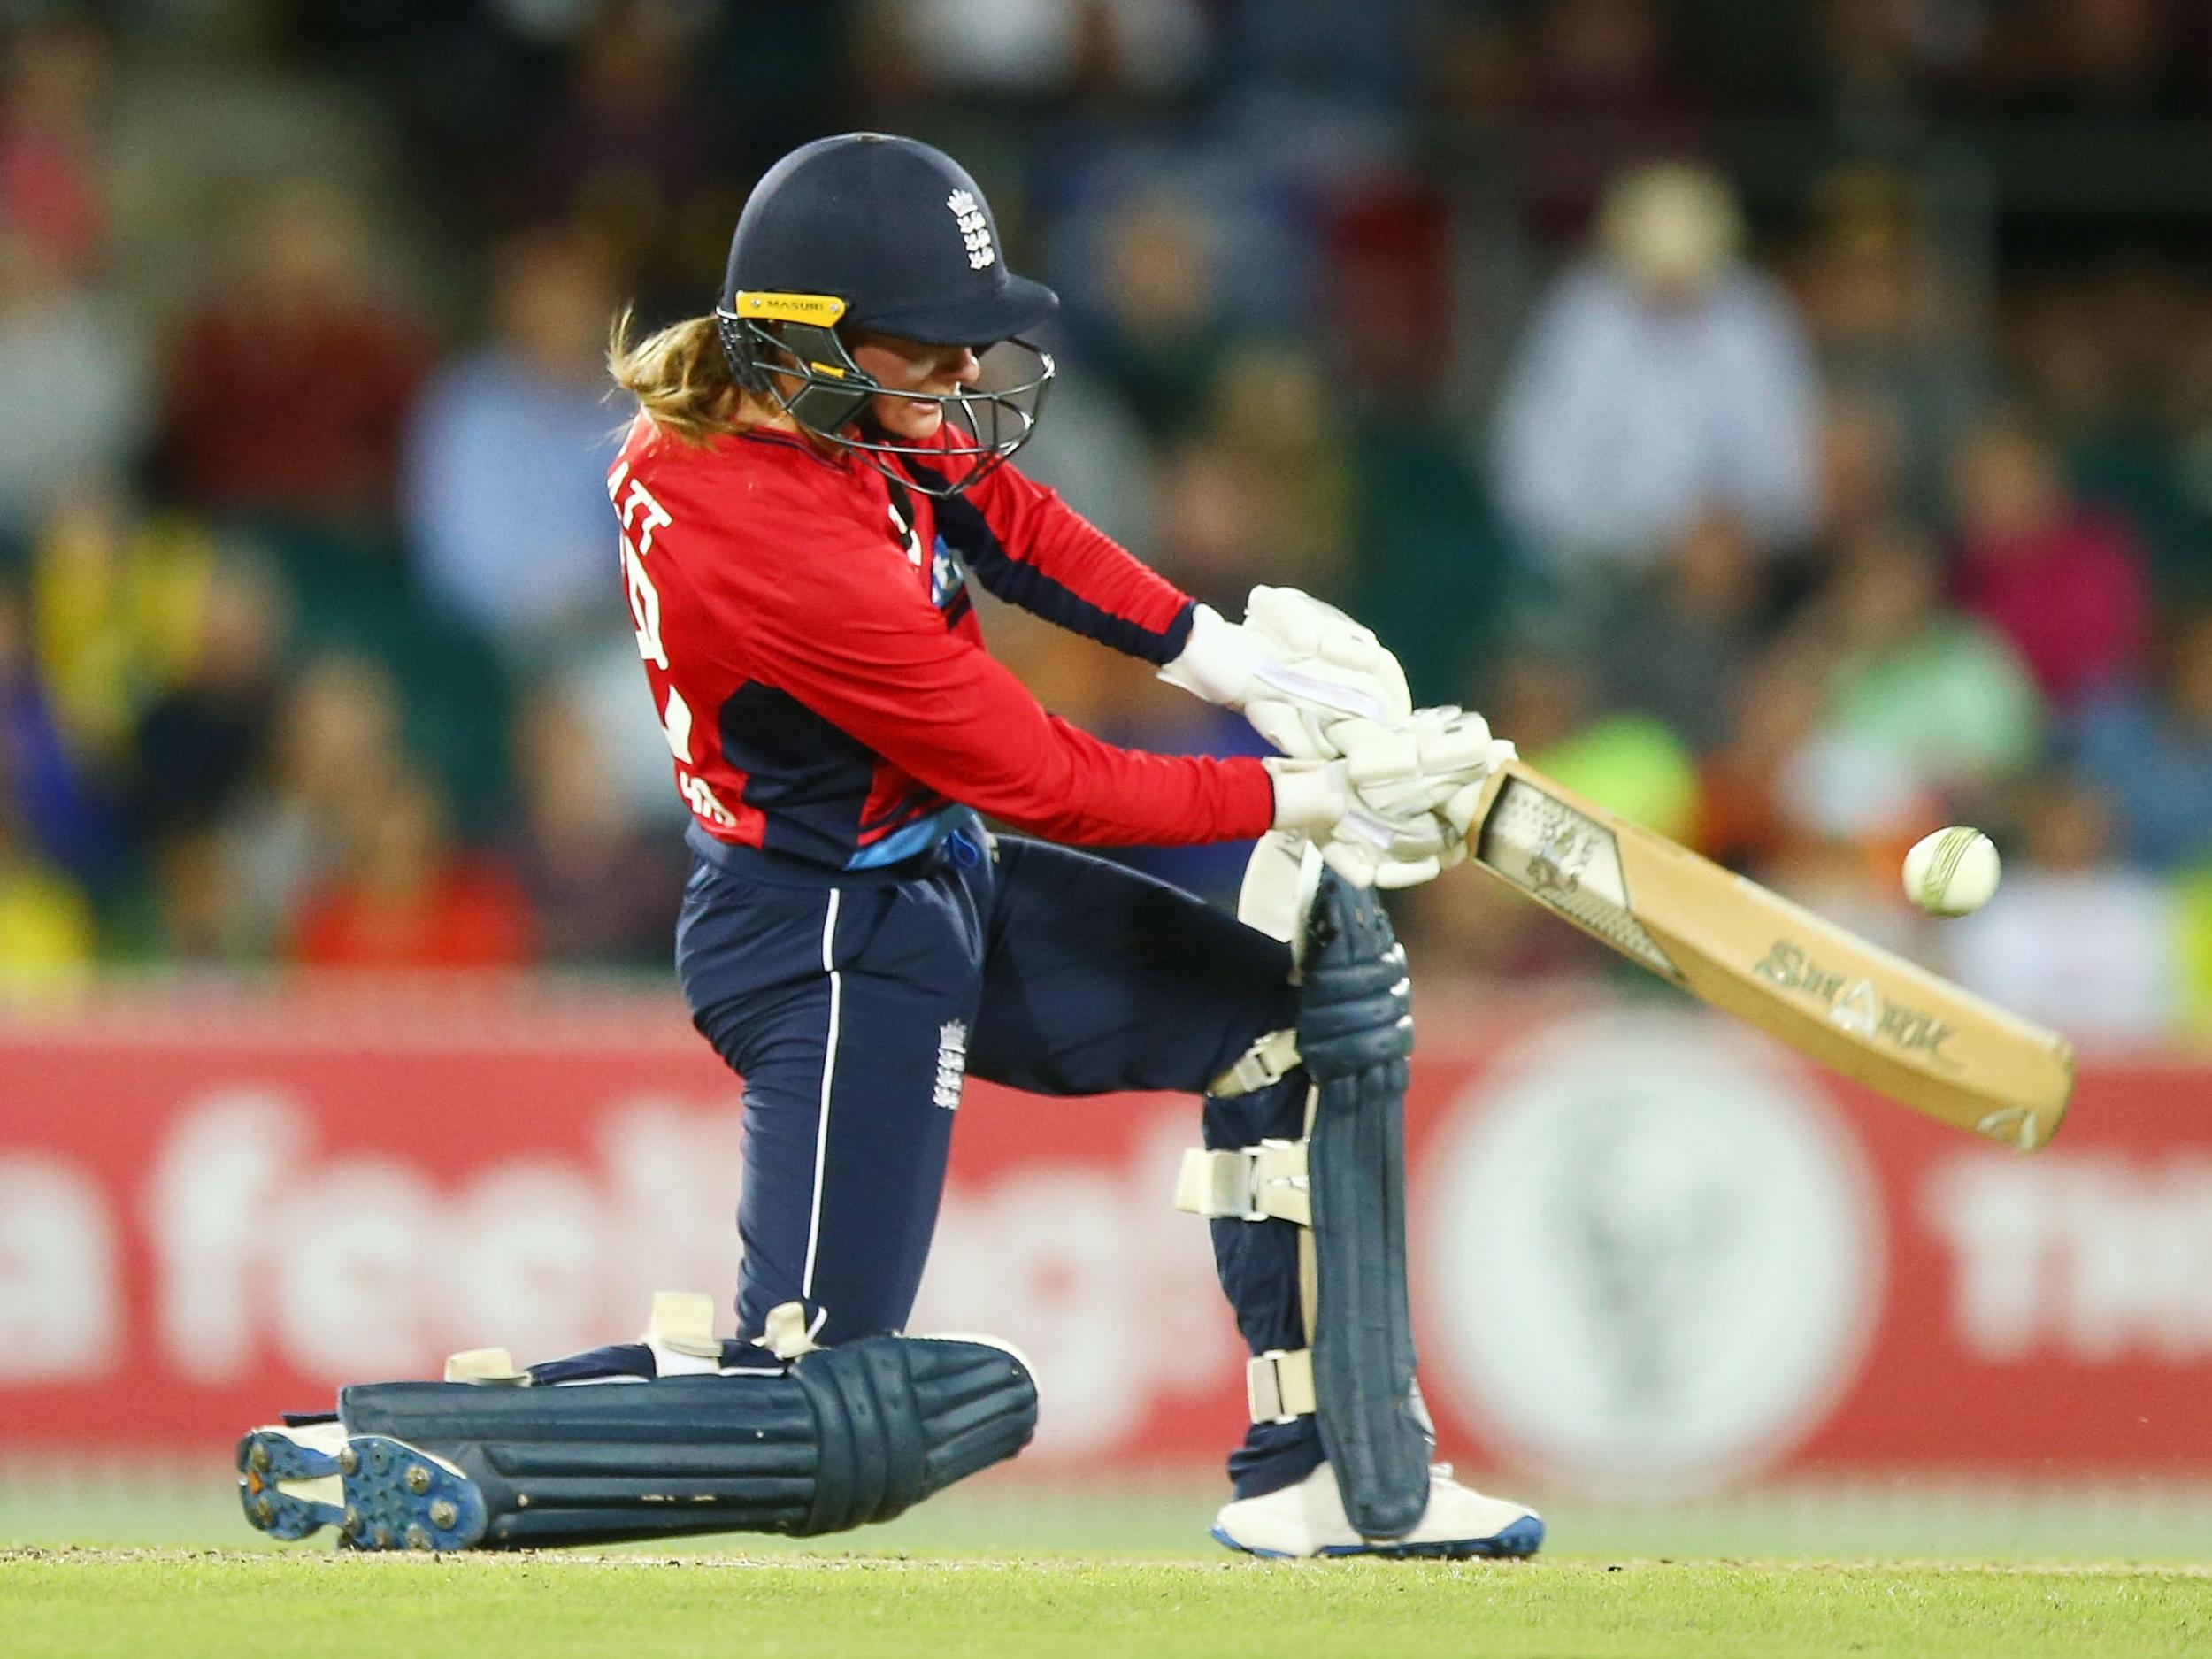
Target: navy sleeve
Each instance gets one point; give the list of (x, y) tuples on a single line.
[(1031, 549)]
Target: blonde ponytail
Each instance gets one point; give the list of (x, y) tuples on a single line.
[(679, 376)]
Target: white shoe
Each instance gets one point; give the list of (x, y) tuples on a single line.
[(1307, 1519)]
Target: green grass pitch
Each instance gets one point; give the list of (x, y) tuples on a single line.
[(133, 1561), (89, 1603)]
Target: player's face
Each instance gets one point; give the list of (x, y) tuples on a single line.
[(909, 366)]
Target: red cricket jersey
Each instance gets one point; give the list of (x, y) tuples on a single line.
[(817, 666)]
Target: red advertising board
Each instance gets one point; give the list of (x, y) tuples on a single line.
[(1647, 1246)]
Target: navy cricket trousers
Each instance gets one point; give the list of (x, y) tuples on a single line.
[(849, 1002)]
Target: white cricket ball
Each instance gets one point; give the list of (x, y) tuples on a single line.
[(1952, 871)]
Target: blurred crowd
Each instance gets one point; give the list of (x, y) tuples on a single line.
[(1673, 382)]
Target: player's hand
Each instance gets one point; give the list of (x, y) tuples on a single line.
[(1393, 811), (1423, 780), (1296, 667)]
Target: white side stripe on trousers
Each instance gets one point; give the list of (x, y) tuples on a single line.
[(829, 1073)]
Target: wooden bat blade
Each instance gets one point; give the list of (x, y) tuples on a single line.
[(1861, 1010)]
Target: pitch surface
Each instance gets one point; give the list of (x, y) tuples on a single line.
[(86, 1603)]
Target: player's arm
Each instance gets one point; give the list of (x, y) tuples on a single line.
[(861, 647), (1294, 667), (848, 635), (1031, 549)]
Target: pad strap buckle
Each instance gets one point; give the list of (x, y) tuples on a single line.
[(493, 1366), (1267, 1060), (1279, 1385), (1266, 1182), (682, 1335)]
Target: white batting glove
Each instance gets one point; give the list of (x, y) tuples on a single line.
[(1424, 780), (1317, 799), (1393, 811), (1295, 667)]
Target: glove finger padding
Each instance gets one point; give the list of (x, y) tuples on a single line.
[(1293, 730), (1395, 873), (1321, 663), (1439, 739), (1307, 627), (1408, 793), (1419, 766), (1376, 753), (1460, 807), (1371, 852), (1461, 743), (1356, 861), (1406, 836), (1403, 870)]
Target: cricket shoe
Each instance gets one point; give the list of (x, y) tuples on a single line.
[(1307, 1519), (379, 1492)]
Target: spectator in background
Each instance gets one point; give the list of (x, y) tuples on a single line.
[(1092, 451), (2148, 747), (505, 500), (1139, 289), (2067, 586), (1270, 420), (503, 497), (1264, 491), (1039, 49), (200, 745), (44, 788), (2080, 943), (1914, 681), (603, 886), (628, 145), (1544, 693), (406, 897), (1149, 320), (1602, 91), (1861, 469), (2110, 367), (1774, 712), (1633, 763), (1663, 378), (333, 751), (1548, 698), (286, 387), (1674, 647), (46, 925), (1877, 60), (72, 380), (2062, 353), (114, 594), (2184, 550), (53, 162), (1894, 340), (1429, 566), (1207, 540), (2083, 57)]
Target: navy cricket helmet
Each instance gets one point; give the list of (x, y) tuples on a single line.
[(871, 232)]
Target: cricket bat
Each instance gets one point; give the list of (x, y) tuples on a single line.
[(1903, 1032)]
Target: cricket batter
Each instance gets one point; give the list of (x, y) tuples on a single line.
[(815, 476)]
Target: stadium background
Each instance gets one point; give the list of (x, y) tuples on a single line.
[(338, 852)]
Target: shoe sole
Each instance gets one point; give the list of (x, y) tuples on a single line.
[(1523, 1539), (379, 1493)]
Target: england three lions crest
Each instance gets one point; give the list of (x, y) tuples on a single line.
[(975, 230), (952, 1064)]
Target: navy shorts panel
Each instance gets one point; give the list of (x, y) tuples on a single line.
[(849, 1010), (1099, 978)]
